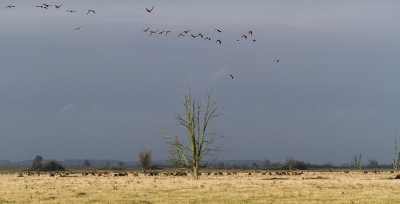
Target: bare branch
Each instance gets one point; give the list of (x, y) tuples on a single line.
[(145, 158), (195, 119)]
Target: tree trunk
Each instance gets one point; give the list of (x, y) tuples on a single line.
[(196, 172)]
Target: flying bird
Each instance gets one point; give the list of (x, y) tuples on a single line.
[(78, 28), (186, 31), (218, 41), (207, 38), (150, 10), (71, 11), (277, 60), (250, 32), (90, 10), (153, 31), (218, 30), (231, 76), (57, 7), (47, 5), (167, 31), (244, 36), (194, 36), (42, 6), (147, 29), (253, 40), (10, 6), (237, 40), (180, 34)]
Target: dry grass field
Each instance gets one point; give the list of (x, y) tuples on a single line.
[(309, 187)]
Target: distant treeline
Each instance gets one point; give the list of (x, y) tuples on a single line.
[(160, 164)]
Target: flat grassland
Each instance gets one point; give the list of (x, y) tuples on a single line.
[(309, 187)]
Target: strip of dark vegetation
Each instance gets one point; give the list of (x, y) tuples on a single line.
[(274, 178)]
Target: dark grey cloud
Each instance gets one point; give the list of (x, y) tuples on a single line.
[(97, 92)]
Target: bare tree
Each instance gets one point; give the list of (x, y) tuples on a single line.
[(86, 163), (356, 162), (373, 163), (265, 163), (195, 120), (175, 159), (395, 159), (291, 162), (145, 158)]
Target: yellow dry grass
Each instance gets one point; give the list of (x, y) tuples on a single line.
[(311, 187)]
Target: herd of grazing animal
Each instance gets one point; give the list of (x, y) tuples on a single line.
[(136, 174), (205, 174)]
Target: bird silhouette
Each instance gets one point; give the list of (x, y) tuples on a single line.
[(150, 10), (231, 76), (277, 60), (10, 6), (78, 28), (218, 41), (218, 30), (58, 6), (153, 31), (42, 6), (250, 32), (90, 10), (200, 34), (253, 40), (72, 11)]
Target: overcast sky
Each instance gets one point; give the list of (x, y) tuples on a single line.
[(96, 93)]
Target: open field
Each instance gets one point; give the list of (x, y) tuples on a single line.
[(309, 187)]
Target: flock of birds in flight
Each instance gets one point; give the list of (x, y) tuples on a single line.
[(165, 32), (186, 32), (47, 6)]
